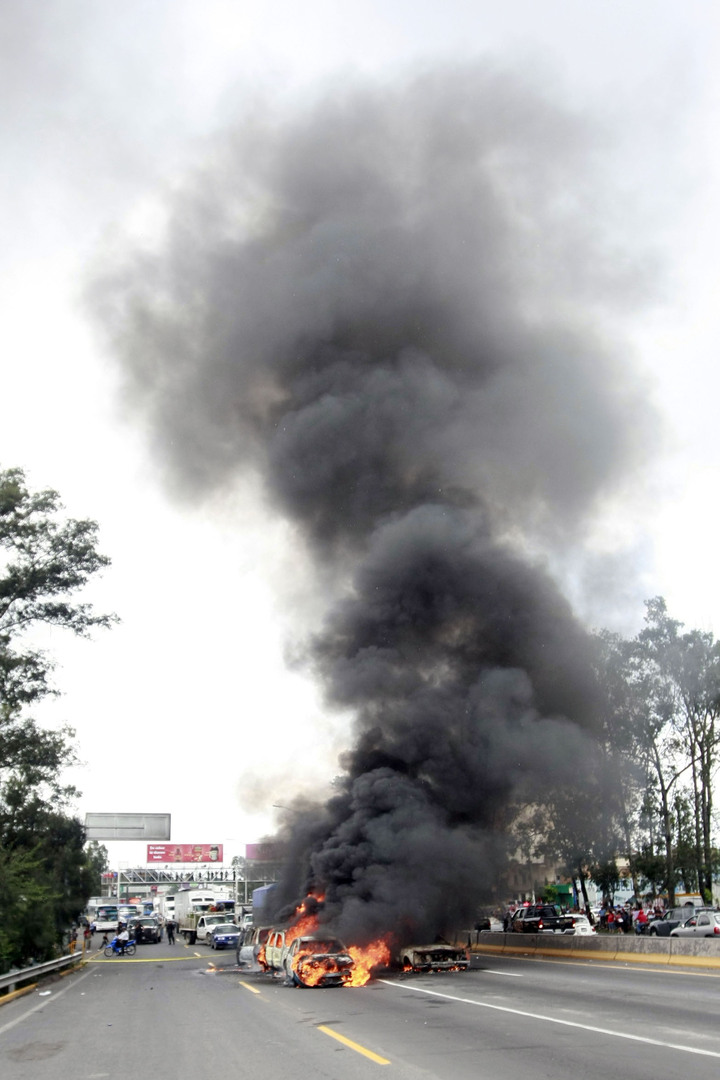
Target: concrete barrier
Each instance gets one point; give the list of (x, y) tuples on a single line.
[(628, 948)]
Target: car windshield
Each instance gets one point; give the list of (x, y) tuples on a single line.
[(227, 930), (328, 946)]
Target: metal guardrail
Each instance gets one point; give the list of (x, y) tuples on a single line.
[(25, 975)]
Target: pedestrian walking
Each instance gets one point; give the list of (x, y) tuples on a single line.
[(170, 928)]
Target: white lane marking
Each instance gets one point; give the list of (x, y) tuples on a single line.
[(56, 995), (510, 974), (555, 1020)]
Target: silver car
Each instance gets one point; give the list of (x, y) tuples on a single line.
[(704, 924)]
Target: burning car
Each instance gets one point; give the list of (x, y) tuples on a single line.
[(251, 953), (316, 961), (438, 957)]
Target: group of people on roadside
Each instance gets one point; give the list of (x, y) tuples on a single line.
[(613, 918), (625, 918)]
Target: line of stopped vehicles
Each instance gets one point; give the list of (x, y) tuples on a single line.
[(686, 921)]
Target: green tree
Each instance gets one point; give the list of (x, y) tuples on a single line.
[(28, 929), (45, 874), (639, 724), (683, 670), (98, 863), (649, 869), (44, 560)]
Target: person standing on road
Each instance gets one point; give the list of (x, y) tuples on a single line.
[(170, 929)]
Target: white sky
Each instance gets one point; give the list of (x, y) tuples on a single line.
[(187, 707)]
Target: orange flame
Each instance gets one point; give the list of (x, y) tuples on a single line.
[(305, 926), (312, 971), (376, 954)]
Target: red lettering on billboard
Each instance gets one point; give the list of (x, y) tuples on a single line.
[(185, 853)]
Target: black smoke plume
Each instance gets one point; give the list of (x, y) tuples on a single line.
[(393, 306)]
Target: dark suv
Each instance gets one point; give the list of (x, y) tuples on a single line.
[(145, 930)]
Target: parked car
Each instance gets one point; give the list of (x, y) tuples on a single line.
[(672, 918), (145, 930), (581, 926), (490, 924), (703, 924), (488, 921), (540, 919), (225, 937), (311, 961)]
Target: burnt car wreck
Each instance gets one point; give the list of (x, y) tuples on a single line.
[(311, 961), (437, 957)]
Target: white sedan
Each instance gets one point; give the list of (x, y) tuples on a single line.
[(582, 925)]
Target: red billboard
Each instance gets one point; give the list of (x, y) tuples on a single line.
[(185, 853)]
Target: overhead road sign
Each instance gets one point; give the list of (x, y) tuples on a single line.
[(127, 826)]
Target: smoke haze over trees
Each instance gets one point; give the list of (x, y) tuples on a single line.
[(397, 308)]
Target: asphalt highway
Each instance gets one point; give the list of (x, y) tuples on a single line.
[(176, 1012)]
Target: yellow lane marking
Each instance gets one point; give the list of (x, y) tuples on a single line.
[(353, 1045), (252, 989), (132, 960)]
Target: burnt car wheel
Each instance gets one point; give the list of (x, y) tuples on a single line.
[(291, 978)]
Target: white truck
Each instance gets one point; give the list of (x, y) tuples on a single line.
[(165, 906), (197, 912)]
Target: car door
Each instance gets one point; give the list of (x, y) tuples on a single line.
[(704, 926)]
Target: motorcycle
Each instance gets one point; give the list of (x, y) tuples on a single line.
[(115, 948)]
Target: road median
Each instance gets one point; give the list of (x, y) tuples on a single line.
[(676, 952)]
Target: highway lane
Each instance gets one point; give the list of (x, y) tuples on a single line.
[(188, 1012)]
